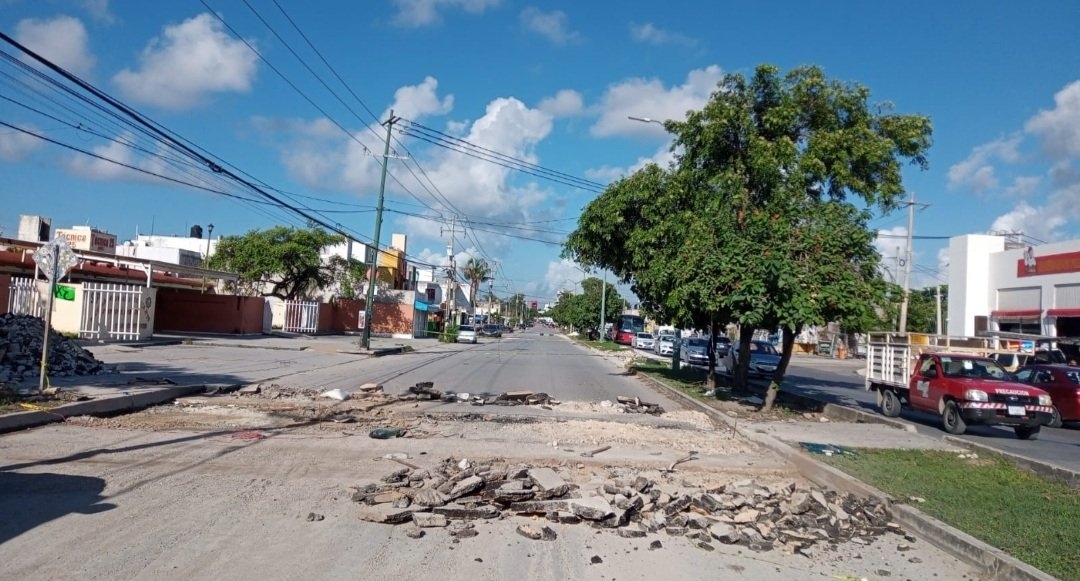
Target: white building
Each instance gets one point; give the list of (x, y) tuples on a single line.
[(433, 281), (184, 250), (1027, 289)]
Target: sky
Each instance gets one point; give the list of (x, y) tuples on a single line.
[(291, 96)]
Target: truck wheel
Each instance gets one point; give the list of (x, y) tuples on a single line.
[(952, 420), (1027, 432), (1055, 421), (890, 403)]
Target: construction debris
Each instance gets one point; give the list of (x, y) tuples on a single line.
[(20, 351), (761, 518)]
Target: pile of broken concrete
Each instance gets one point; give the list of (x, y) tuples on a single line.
[(759, 517), (20, 351), (425, 391)]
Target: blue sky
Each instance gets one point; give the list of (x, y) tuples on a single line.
[(550, 84)]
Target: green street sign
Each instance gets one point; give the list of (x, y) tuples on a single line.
[(64, 293)]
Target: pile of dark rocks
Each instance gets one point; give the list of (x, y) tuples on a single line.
[(760, 517), (20, 351)]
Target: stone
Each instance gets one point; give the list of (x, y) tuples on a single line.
[(675, 531), (465, 487), (625, 503), (677, 505), (550, 484), (641, 484), (596, 560), (414, 532), (747, 515), (384, 513), (631, 533), (429, 520), (428, 497), (512, 486), (704, 546), (698, 521), (509, 496), (402, 502), (799, 503), (250, 389), (707, 502), (537, 534), (725, 533), (655, 545), (819, 498), (370, 387), (314, 517), (458, 511), (592, 508), (564, 517), (540, 506)]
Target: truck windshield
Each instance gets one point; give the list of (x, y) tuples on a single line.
[(977, 368)]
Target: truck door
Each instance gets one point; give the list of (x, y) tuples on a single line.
[(921, 395)]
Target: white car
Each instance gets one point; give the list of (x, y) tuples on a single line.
[(644, 341), (466, 334), (665, 345)]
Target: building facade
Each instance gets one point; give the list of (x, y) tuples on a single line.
[(1023, 289), (88, 238)]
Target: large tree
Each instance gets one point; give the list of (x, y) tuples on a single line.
[(282, 261), (583, 311), (762, 218)]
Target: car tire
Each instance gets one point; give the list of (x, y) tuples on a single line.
[(951, 419), (1055, 419), (1028, 432), (890, 403)]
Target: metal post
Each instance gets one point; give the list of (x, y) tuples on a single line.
[(938, 312), (365, 340), (48, 317), (907, 265), (676, 350)]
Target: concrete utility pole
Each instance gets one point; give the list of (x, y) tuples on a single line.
[(938, 300), (603, 308), (907, 265), (365, 340), (451, 275)]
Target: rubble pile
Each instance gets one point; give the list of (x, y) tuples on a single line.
[(762, 518), (20, 351), (425, 391)]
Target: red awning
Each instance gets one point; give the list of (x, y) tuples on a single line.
[(1063, 313), (1017, 314)]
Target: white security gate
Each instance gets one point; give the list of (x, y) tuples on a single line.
[(24, 299), (301, 317), (115, 311)]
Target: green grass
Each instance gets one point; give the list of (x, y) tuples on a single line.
[(1032, 519), (688, 380), (601, 345)]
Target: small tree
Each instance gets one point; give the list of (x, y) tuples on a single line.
[(476, 271), (282, 261)]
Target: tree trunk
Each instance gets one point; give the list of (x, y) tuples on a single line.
[(710, 380), (788, 344), (739, 373)]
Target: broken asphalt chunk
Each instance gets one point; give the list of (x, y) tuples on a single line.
[(384, 513), (537, 534), (550, 484)]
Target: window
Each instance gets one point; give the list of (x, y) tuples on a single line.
[(927, 367), (1024, 375)]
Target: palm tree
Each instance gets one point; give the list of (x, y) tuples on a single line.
[(476, 271)]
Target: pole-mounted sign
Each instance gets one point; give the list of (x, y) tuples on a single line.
[(54, 260)]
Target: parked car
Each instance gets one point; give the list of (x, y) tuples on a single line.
[(1014, 361), (1062, 382), (665, 345), (466, 334), (694, 351), (764, 358), (490, 330), (723, 346), (644, 341)]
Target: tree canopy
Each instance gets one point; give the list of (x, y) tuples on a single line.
[(476, 271), (282, 261), (582, 311), (762, 219)]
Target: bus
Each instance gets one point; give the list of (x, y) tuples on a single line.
[(625, 327)]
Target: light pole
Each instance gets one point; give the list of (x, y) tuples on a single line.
[(209, 235), (676, 348)]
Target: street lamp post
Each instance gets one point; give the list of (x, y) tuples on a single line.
[(209, 235), (678, 339)]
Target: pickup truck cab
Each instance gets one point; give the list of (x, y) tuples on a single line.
[(966, 389)]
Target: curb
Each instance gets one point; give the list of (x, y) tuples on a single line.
[(106, 405), (995, 563), (850, 414), (1044, 469)]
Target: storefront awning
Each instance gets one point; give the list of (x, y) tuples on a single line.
[(420, 306), (1017, 314), (1063, 312)]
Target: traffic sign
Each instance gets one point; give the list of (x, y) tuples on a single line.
[(55, 258)]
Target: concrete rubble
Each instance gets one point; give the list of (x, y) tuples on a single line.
[(20, 351), (760, 517)]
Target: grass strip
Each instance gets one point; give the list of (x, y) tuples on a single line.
[(1032, 519)]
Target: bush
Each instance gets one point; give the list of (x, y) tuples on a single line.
[(449, 334)]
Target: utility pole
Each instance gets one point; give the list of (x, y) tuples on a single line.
[(907, 265), (451, 275), (365, 339), (603, 308), (938, 300)]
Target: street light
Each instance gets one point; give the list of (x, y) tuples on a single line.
[(209, 235), (645, 120)]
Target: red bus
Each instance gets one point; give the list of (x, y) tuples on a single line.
[(625, 327)]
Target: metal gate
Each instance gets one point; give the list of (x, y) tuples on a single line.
[(301, 317), (114, 311), (24, 299)]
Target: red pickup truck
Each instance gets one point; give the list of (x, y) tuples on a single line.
[(963, 389)]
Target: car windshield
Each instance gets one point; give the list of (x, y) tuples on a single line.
[(667, 338), (644, 336), (491, 327), (465, 328), (695, 342), (978, 368), (763, 348), (1074, 376)]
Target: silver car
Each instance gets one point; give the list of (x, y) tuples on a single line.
[(466, 334), (644, 341), (665, 345)]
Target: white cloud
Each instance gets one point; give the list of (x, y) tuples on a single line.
[(16, 145), (650, 98), (606, 174), (62, 40), (1040, 222), (1059, 128), (562, 275), (977, 172), (889, 244), (417, 13), (108, 166), (187, 62), (551, 25), (415, 101), (649, 33), (1023, 186), (565, 103), (99, 9)]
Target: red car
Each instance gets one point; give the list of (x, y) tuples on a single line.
[(625, 337), (1062, 382)]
